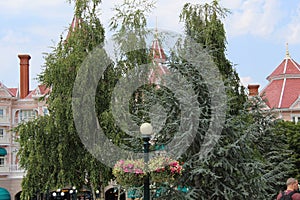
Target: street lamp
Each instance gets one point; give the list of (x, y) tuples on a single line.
[(146, 131), (58, 194), (73, 192)]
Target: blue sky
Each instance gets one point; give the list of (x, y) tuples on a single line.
[(257, 32)]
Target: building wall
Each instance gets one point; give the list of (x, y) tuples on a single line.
[(13, 185)]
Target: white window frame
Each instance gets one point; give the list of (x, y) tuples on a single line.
[(26, 115), (295, 118), (2, 161), (2, 112), (45, 111)]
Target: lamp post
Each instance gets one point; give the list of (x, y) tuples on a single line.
[(97, 194), (146, 131)]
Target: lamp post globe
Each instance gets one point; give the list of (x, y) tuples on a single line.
[(146, 129)]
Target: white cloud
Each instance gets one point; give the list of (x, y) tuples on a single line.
[(291, 32), (245, 81), (255, 17)]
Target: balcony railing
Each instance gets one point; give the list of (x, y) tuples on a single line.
[(4, 169), (4, 119), (4, 139), (16, 168), (10, 169)]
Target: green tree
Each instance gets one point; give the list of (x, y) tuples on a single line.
[(248, 157), (203, 23), (290, 135), (51, 151)]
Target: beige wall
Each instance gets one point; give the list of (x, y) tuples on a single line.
[(13, 186)]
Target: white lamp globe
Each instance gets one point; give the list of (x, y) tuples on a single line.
[(146, 129)]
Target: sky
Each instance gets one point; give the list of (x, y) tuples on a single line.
[(257, 32)]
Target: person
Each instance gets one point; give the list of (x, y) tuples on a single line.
[(291, 185)]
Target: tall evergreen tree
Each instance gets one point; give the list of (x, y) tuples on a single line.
[(240, 165)]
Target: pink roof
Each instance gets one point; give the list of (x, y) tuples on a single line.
[(41, 90), (75, 24), (287, 66), (157, 52), (13, 91), (158, 57), (284, 85)]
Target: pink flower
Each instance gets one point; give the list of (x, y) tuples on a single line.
[(139, 171), (130, 166)]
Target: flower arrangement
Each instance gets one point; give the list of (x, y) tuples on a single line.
[(164, 169), (129, 173)]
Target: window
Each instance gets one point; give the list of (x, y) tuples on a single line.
[(1, 112), (2, 160), (45, 111), (1, 133), (26, 115), (296, 118)]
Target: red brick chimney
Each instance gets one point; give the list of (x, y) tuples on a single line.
[(24, 75), (253, 90)]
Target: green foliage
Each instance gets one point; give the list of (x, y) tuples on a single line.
[(203, 24), (249, 159), (129, 28), (290, 133), (51, 151)]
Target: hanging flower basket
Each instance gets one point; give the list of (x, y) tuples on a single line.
[(129, 173), (164, 170)]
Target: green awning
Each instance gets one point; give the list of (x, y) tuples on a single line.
[(4, 194), (3, 152)]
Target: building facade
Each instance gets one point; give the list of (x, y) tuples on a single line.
[(17, 105), (282, 93)]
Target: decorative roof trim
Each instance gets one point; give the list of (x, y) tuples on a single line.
[(295, 65), (293, 106), (282, 92), (285, 66), (282, 76)]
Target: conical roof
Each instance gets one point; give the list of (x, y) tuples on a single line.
[(74, 25), (283, 89), (157, 53), (158, 57)]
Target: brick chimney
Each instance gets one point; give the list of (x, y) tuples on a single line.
[(253, 90), (24, 75)]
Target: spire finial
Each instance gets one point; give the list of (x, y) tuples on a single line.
[(156, 30), (287, 53)]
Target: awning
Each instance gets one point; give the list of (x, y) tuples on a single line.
[(3, 152), (4, 194)]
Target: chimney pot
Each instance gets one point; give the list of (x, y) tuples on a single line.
[(24, 75), (253, 90)]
